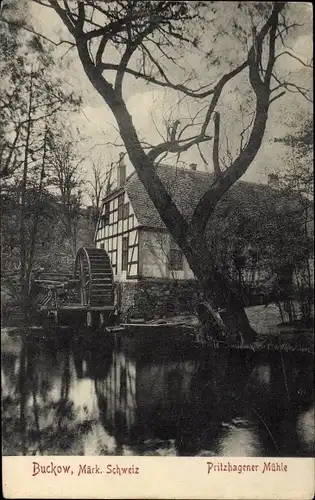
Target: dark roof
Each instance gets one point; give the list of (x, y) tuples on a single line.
[(186, 187)]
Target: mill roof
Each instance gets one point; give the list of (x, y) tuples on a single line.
[(187, 186)]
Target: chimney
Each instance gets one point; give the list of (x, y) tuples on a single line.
[(121, 170), (193, 166), (273, 180)]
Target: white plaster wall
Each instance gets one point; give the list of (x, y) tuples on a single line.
[(154, 250)]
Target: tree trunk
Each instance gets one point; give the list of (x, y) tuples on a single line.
[(23, 282), (192, 244), (36, 214), (218, 292)]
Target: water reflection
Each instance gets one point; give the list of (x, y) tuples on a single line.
[(93, 395)]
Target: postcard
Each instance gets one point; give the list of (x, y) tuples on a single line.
[(157, 250)]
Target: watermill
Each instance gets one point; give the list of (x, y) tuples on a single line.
[(94, 274), (85, 296)]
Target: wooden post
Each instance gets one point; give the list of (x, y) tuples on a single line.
[(56, 317), (101, 319), (88, 319)]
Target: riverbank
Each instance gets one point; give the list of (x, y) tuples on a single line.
[(179, 335), (271, 335)]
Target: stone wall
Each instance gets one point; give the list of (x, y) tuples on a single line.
[(149, 299)]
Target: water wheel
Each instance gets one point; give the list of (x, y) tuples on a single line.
[(94, 272)]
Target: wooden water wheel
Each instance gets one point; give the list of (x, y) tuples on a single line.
[(94, 272)]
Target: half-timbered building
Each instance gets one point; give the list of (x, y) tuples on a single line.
[(132, 233), (147, 264)]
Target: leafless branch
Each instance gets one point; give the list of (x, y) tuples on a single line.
[(202, 136), (245, 129), (262, 91), (201, 154), (291, 87), (177, 146), (216, 142), (40, 35), (287, 53), (196, 93), (156, 127), (276, 97)]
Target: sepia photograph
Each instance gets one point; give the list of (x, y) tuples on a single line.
[(157, 238)]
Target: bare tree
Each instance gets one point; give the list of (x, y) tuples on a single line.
[(67, 179), (297, 183), (145, 35), (100, 186)]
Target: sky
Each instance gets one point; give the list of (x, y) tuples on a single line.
[(147, 104)]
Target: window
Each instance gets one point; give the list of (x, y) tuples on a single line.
[(120, 206), (106, 214), (126, 211), (124, 260), (176, 259), (102, 245)]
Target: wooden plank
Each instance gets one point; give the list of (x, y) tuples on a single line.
[(101, 292), (78, 307), (100, 268), (146, 325), (106, 281), (55, 274), (52, 277), (49, 281), (101, 276), (98, 287), (103, 297), (157, 325), (95, 258)]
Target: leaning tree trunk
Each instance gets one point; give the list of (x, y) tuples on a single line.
[(218, 292), (192, 242)]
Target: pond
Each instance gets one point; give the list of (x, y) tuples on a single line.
[(65, 393)]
